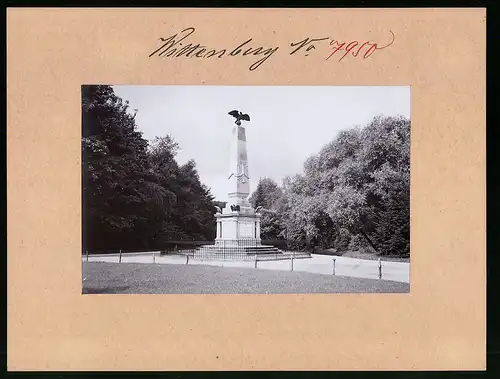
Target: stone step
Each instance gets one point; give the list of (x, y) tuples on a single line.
[(240, 248), (260, 252), (252, 247)]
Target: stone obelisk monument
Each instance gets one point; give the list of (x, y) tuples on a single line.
[(238, 224)]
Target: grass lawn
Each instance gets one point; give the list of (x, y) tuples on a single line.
[(141, 278)]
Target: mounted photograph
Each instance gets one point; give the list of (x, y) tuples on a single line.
[(245, 189)]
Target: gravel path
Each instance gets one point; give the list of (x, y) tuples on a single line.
[(317, 264), (140, 278)]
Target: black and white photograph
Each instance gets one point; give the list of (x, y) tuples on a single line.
[(245, 189)]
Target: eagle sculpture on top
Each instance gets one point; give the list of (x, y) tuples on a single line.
[(239, 116)]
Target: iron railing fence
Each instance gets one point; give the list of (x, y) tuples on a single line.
[(174, 245), (237, 249), (243, 249)]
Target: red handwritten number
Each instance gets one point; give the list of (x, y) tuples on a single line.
[(349, 48), (340, 46), (357, 52), (370, 51), (372, 47)]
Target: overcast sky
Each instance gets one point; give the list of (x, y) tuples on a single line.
[(288, 124)]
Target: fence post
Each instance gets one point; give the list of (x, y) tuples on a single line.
[(120, 259), (187, 259), (333, 266), (87, 252), (379, 269)]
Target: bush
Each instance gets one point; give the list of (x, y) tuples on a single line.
[(357, 243), (343, 239)]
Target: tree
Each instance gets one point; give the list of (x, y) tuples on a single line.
[(268, 195), (386, 157), (189, 206), (354, 192), (135, 194), (114, 159), (196, 205)]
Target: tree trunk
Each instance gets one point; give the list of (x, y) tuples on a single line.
[(368, 239)]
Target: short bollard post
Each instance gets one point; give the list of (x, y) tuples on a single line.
[(379, 269), (187, 259), (87, 252), (154, 257), (291, 262), (120, 258), (255, 264), (333, 266)]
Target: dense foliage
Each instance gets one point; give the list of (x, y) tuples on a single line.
[(135, 195), (355, 193)]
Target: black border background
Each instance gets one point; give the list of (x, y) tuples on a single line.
[(493, 185)]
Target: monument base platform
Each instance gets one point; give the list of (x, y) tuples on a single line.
[(244, 250)]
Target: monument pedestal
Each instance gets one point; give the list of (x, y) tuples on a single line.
[(238, 228)]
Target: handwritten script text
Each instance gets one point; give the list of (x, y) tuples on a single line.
[(179, 45)]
